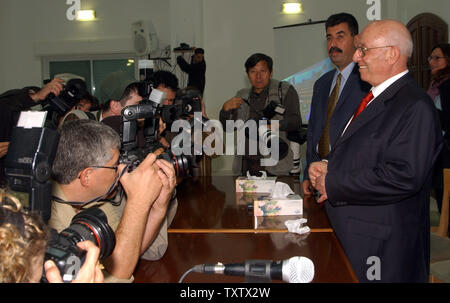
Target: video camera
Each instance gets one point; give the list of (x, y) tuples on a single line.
[(90, 224)]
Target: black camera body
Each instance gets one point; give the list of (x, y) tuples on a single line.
[(58, 106), (149, 109), (90, 224), (28, 167), (187, 102), (265, 135)]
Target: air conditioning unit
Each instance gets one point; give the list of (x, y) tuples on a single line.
[(144, 37)]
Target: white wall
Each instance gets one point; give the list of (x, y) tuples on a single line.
[(30, 28), (228, 30)]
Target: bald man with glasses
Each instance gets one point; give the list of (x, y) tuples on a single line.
[(376, 183)]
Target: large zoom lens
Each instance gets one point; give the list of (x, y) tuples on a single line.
[(90, 224), (182, 163), (267, 137)]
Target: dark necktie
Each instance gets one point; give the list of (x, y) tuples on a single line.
[(324, 143), (362, 105)]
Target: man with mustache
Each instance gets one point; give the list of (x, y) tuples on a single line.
[(336, 94)]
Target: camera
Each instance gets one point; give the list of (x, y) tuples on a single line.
[(265, 134), (187, 102), (90, 224), (149, 110), (28, 167), (73, 92), (272, 109), (57, 106), (267, 138)]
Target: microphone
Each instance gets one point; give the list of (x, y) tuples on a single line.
[(293, 270)]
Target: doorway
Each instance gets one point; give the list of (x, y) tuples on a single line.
[(426, 30)]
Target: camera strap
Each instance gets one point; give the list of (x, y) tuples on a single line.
[(103, 197)]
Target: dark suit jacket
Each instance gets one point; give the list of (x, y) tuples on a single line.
[(354, 91), (378, 183)]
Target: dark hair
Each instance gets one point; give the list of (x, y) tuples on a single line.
[(336, 19), (131, 88), (445, 72), (165, 78), (255, 58), (199, 51)]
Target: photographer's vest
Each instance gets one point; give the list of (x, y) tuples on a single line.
[(277, 92)]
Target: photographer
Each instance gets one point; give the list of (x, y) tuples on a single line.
[(167, 82), (12, 103), (196, 70), (23, 239), (86, 170), (112, 117), (250, 103)]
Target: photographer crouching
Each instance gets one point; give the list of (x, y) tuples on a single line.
[(23, 241), (86, 172)]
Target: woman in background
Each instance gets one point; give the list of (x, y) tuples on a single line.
[(439, 91)]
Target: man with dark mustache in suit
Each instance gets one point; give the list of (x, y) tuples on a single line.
[(336, 94)]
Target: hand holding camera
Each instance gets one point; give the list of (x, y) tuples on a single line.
[(143, 183), (168, 179), (90, 272), (55, 86)]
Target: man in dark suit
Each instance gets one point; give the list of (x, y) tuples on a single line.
[(336, 94), (378, 176)]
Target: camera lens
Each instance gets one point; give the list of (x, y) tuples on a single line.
[(283, 148), (181, 163), (88, 225), (92, 225)]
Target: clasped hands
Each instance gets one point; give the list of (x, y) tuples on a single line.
[(317, 172)]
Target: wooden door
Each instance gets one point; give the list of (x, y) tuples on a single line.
[(427, 30)]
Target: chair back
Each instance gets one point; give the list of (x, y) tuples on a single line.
[(443, 223)]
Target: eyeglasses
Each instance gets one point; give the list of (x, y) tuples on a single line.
[(430, 58), (363, 50), (109, 167)]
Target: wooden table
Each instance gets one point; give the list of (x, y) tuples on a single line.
[(186, 250), (211, 226), (209, 204)]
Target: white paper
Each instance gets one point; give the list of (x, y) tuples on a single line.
[(281, 190), (263, 176), (296, 226)]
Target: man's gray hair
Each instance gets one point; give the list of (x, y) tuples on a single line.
[(83, 143)]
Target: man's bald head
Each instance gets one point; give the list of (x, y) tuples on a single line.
[(383, 51), (392, 32)]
